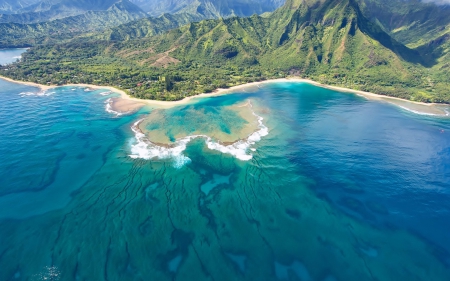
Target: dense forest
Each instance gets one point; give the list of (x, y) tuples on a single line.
[(331, 42)]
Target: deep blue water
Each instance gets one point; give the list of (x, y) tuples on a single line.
[(340, 189)]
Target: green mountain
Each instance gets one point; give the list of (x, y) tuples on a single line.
[(209, 8), (184, 12), (411, 22), (12, 6), (177, 13), (15, 34), (147, 27), (226, 8), (48, 10), (32, 11), (329, 41)]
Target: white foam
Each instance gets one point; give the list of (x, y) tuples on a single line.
[(109, 109), (38, 94), (106, 93), (145, 149), (240, 148), (421, 112)]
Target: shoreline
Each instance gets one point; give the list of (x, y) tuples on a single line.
[(412, 106)]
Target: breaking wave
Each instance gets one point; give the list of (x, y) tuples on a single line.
[(145, 149), (38, 94), (423, 113), (109, 109)]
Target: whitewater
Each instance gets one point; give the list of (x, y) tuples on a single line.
[(143, 148)]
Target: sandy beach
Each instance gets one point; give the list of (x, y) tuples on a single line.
[(416, 107), (42, 87)]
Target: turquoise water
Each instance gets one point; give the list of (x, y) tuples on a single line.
[(339, 189), (10, 55)]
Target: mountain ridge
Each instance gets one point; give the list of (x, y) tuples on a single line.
[(208, 8), (12, 6), (16, 34), (411, 22), (329, 41), (45, 11)]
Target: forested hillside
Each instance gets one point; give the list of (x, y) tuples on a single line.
[(16, 34), (147, 27), (209, 8), (12, 6), (411, 22), (48, 10), (56, 21), (329, 41)]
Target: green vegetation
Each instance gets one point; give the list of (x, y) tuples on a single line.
[(60, 30), (35, 12), (209, 8), (412, 22), (147, 27), (328, 41)]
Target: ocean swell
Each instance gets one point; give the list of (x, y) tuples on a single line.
[(145, 149)]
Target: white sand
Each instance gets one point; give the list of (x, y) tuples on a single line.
[(417, 107)]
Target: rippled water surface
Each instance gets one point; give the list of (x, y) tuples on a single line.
[(10, 55), (339, 189)]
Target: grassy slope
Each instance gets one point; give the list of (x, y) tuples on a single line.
[(329, 41), (147, 27), (411, 22)]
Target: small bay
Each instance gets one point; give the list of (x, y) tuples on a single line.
[(8, 56)]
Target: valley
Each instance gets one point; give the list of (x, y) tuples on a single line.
[(331, 42)]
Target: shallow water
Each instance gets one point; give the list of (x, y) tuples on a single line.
[(341, 188)]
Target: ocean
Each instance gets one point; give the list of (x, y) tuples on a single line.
[(10, 55), (307, 184)]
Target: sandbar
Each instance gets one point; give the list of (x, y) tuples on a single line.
[(125, 106), (157, 127)]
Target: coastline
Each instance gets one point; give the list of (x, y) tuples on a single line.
[(412, 106), (42, 87)]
